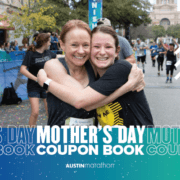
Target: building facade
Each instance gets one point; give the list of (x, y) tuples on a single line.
[(6, 33), (165, 13)]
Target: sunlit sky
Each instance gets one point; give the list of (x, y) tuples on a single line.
[(178, 4)]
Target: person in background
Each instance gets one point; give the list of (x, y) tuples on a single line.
[(56, 41), (166, 45), (12, 48), (34, 39), (139, 47), (160, 59), (25, 47), (34, 60), (145, 55), (7, 47), (134, 52), (1, 47), (125, 48), (16, 45), (53, 42), (171, 58), (152, 48)]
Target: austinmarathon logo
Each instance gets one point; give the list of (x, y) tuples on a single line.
[(91, 165)]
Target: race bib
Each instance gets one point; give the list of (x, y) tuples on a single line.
[(168, 63), (80, 122), (140, 54)]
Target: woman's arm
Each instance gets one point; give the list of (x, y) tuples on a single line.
[(163, 52), (119, 92), (78, 98), (81, 98), (176, 44), (25, 72), (56, 71), (163, 45), (135, 74)]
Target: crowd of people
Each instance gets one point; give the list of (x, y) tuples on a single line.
[(158, 53), (9, 47), (13, 45)]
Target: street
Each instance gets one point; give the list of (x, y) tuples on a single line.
[(163, 100)]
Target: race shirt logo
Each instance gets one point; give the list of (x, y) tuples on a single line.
[(109, 114)]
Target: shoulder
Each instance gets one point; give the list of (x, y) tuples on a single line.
[(120, 67), (53, 55), (119, 70), (54, 64), (29, 53), (122, 63), (122, 40)]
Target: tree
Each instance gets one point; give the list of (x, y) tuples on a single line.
[(79, 10), (158, 31), (174, 31), (143, 32), (32, 17), (126, 13), (62, 8), (121, 13)]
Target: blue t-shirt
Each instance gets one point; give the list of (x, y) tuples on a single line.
[(161, 49), (16, 48), (154, 47), (54, 45), (52, 39)]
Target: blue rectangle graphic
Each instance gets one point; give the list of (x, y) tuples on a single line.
[(95, 12)]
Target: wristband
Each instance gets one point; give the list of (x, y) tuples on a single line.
[(46, 84)]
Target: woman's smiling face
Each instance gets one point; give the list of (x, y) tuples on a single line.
[(103, 50), (77, 46)]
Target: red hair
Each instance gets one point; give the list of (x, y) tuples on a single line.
[(71, 25)]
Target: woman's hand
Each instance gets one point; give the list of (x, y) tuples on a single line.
[(174, 40), (41, 77), (136, 78)]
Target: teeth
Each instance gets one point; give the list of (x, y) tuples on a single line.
[(102, 59), (78, 57)]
